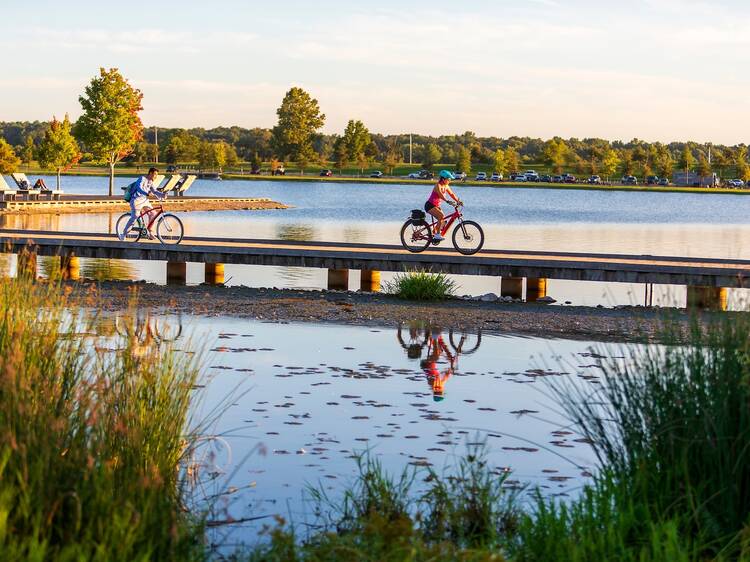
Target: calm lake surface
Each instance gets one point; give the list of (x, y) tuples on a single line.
[(299, 400), (671, 224)]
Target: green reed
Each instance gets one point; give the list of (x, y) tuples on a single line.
[(92, 435)]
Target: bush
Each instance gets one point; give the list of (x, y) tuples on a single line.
[(91, 436), (422, 286)]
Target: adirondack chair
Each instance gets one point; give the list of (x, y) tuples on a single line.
[(5, 190), (25, 187), (182, 186)]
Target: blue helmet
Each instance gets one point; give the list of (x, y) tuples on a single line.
[(447, 175)]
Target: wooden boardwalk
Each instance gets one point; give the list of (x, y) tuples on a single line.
[(704, 272)]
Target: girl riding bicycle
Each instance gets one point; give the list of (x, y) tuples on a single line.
[(438, 195)]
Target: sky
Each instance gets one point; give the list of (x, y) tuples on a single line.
[(650, 69)]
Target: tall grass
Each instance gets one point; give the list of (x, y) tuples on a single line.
[(91, 438), (421, 286)]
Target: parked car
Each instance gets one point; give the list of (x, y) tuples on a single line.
[(531, 175), (326, 173), (557, 179), (460, 175), (595, 180), (481, 176), (413, 176), (629, 180), (376, 174), (426, 175), (520, 177), (663, 181), (736, 183), (496, 177), (568, 178), (652, 180), (546, 178)]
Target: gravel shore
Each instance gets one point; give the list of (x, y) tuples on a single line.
[(375, 309)]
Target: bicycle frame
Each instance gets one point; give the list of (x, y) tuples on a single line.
[(448, 221), (157, 210)]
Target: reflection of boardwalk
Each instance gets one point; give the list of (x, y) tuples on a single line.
[(343, 256)]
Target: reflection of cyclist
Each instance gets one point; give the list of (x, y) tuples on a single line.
[(139, 192), (435, 349), (441, 189)]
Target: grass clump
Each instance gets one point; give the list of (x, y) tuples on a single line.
[(422, 286), (91, 438)]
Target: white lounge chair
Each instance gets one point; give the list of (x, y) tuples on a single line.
[(183, 185), (25, 187), (171, 182), (6, 191)]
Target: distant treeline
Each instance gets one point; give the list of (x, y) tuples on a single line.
[(589, 155)]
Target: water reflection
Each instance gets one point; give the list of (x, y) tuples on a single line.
[(147, 329), (295, 232), (441, 359), (103, 269)]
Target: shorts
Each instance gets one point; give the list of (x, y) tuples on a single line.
[(429, 206)]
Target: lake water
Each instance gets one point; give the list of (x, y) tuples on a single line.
[(299, 400), (672, 224)]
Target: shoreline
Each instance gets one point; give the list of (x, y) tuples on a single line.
[(630, 324), (313, 177)]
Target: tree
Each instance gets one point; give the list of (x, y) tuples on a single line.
[(392, 156), (704, 168), (512, 160), (58, 149), (182, 147), (464, 160), (687, 160), (664, 162), (27, 154), (720, 159), (430, 156), (555, 153), (9, 162), (299, 119), (340, 154), (255, 163), (740, 161), (499, 163), (357, 139), (628, 166), (230, 155), (610, 162), (110, 126)]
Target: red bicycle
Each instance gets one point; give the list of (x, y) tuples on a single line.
[(169, 229), (417, 233)]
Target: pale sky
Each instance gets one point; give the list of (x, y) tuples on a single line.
[(653, 69)]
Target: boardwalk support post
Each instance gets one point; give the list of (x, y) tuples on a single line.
[(338, 279), (711, 298), (536, 288), (511, 287), (70, 267), (214, 273), (370, 281), (176, 273)]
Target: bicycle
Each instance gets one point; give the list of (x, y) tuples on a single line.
[(417, 233), (169, 229)]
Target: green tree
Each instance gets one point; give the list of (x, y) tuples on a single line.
[(357, 139), (430, 156), (628, 166), (255, 163), (110, 126), (58, 150), (720, 160), (499, 163), (182, 147), (340, 154), (740, 161), (555, 154), (610, 162), (27, 154), (230, 155), (299, 119), (512, 160), (704, 168), (9, 162), (664, 162), (464, 160), (391, 156), (687, 160)]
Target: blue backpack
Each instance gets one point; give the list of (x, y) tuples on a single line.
[(128, 195)]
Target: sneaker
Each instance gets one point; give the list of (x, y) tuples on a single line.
[(121, 236), (438, 237), (150, 235)]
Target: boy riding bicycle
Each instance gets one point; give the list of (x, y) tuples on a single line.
[(438, 195), (139, 203)]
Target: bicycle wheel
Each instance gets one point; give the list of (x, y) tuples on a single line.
[(467, 344), (134, 234), (468, 237), (169, 229), (416, 235)]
